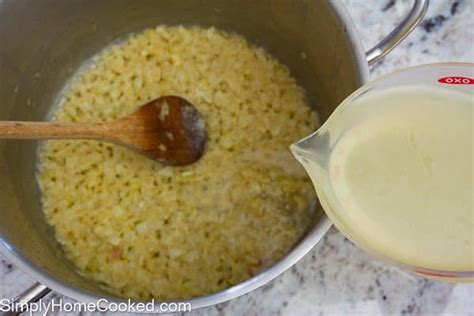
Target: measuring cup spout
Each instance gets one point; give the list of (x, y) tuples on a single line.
[(313, 152), (311, 148)]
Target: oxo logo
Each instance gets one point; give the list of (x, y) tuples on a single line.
[(456, 80)]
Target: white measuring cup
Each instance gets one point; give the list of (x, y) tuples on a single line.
[(315, 151)]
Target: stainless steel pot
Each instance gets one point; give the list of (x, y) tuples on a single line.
[(43, 42)]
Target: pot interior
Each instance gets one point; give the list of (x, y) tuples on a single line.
[(44, 43)]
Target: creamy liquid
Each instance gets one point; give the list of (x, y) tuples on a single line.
[(403, 177)]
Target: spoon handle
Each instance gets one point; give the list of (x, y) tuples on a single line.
[(46, 130)]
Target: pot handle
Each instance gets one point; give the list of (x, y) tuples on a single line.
[(399, 33), (20, 303)]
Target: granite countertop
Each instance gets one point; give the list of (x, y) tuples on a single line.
[(337, 278)]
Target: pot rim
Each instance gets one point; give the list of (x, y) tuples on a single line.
[(296, 254)]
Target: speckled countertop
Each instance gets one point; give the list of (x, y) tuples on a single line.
[(336, 278)]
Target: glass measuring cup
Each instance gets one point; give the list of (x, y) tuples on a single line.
[(314, 152)]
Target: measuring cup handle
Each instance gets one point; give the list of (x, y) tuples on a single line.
[(399, 33)]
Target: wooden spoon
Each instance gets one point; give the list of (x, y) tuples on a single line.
[(169, 130)]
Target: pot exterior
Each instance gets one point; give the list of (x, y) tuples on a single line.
[(44, 42)]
